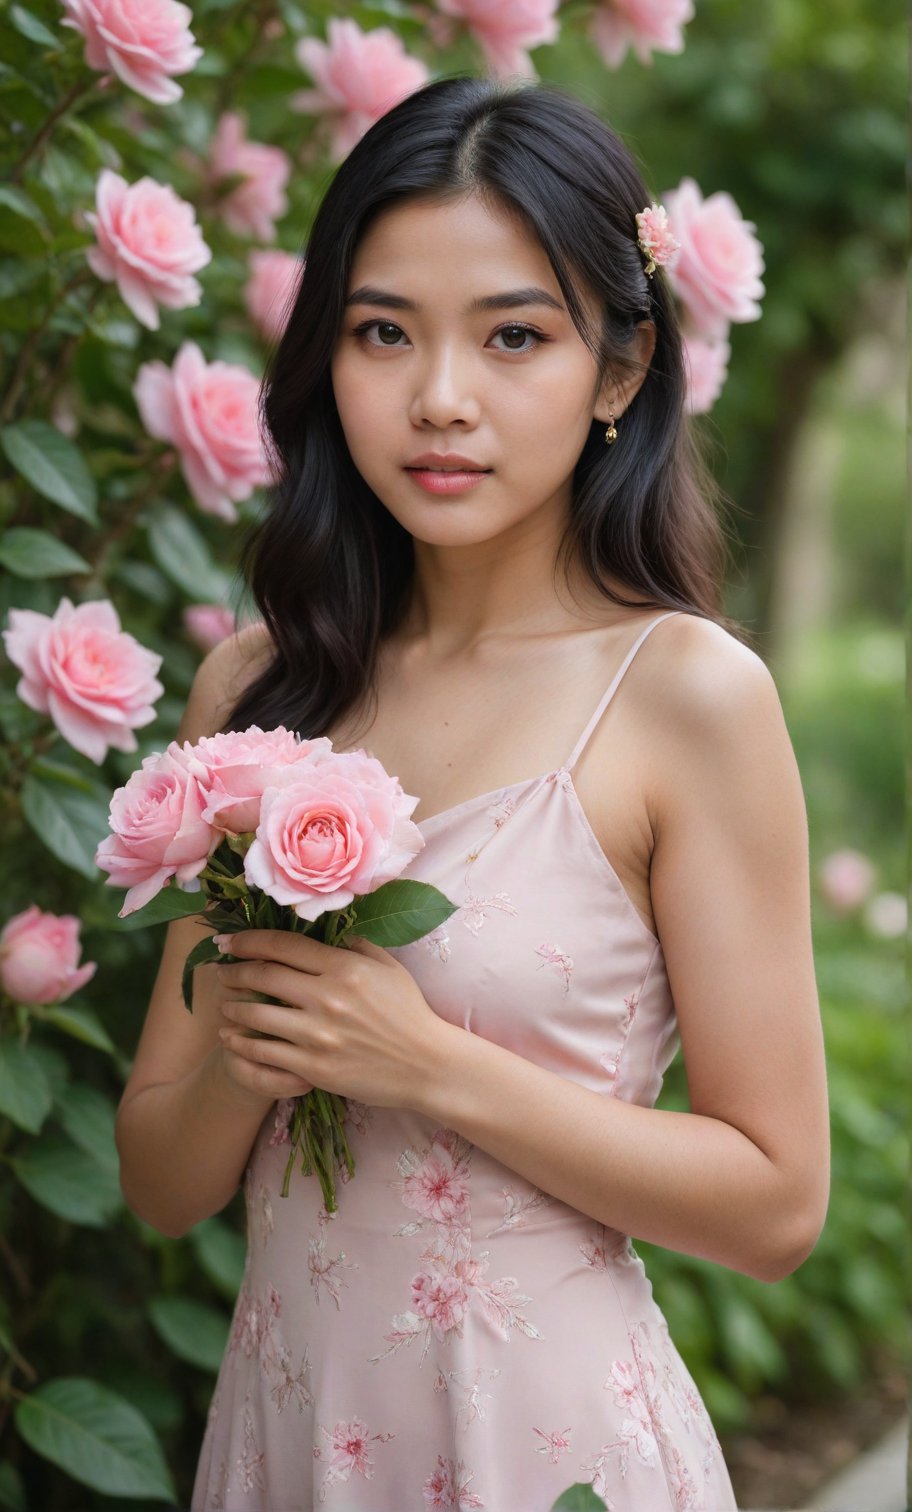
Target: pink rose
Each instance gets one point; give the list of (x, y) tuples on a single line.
[(148, 244), (208, 624), (441, 1300), (209, 412), (846, 878), (717, 271), (95, 680), (331, 832), (644, 25), (158, 827), (252, 208), (360, 76), (38, 956), (706, 364), (269, 291), (240, 765), (504, 31), (142, 41)]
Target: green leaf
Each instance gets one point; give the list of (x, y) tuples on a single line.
[(53, 465), (37, 554), (70, 823), (183, 555), (12, 1488), (399, 912), (96, 1436), (579, 1498), (82, 1025), (171, 903), (25, 1095), (102, 151), (88, 1118), (202, 953), (221, 1251), (20, 204), (68, 1181), (194, 1332), (31, 27)]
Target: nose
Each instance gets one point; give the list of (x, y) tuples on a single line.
[(444, 390)]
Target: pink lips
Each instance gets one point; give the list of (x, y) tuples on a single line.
[(438, 482), (445, 472)]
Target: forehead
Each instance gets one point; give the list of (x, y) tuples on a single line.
[(465, 245)]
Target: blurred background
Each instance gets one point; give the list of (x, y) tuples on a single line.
[(110, 1333)]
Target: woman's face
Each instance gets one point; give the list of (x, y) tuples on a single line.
[(416, 369)]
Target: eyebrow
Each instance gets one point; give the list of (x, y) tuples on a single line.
[(509, 299)]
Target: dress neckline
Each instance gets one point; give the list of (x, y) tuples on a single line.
[(507, 787)]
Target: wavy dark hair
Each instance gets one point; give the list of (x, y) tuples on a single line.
[(328, 565)]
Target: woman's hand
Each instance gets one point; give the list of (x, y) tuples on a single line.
[(351, 1021)]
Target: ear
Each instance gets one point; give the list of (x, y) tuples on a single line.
[(617, 393)]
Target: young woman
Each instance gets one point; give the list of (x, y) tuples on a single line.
[(519, 617)]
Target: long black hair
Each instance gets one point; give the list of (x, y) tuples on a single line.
[(328, 565)]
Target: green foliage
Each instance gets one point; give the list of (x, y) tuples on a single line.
[(795, 113)]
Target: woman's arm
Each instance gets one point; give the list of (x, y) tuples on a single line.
[(184, 1127), (743, 1179)]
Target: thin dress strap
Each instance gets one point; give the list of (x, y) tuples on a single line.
[(607, 696)]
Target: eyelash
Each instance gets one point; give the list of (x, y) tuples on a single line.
[(366, 325)]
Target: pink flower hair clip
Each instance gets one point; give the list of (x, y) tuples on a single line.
[(655, 240)]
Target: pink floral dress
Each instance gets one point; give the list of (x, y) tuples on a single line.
[(453, 1337)]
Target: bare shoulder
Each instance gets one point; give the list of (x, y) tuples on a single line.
[(222, 676), (711, 712)]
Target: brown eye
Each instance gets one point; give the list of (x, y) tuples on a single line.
[(384, 328)]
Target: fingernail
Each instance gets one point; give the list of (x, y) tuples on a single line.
[(222, 941)]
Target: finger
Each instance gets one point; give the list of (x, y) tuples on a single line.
[(267, 1018), (367, 947), (301, 951), (294, 988), (270, 1054)]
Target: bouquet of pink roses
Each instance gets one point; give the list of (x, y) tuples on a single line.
[(277, 833)]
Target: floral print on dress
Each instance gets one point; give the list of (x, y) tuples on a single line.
[(612, 1060), (470, 1408), (554, 956), (446, 1488), (476, 909), (516, 1209), (604, 1245), (435, 1184), (555, 1444), (324, 1271), (251, 1460), (645, 1431), (348, 1449)]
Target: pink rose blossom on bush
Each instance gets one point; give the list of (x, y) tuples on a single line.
[(846, 878), (96, 681), (270, 289), (144, 42), (717, 271), (645, 25), (209, 412), (253, 207), (239, 765), (359, 76), (158, 829), (39, 954), (331, 831), (706, 364), (208, 624), (149, 244), (505, 31)]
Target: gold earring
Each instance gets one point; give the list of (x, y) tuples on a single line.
[(611, 434)]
